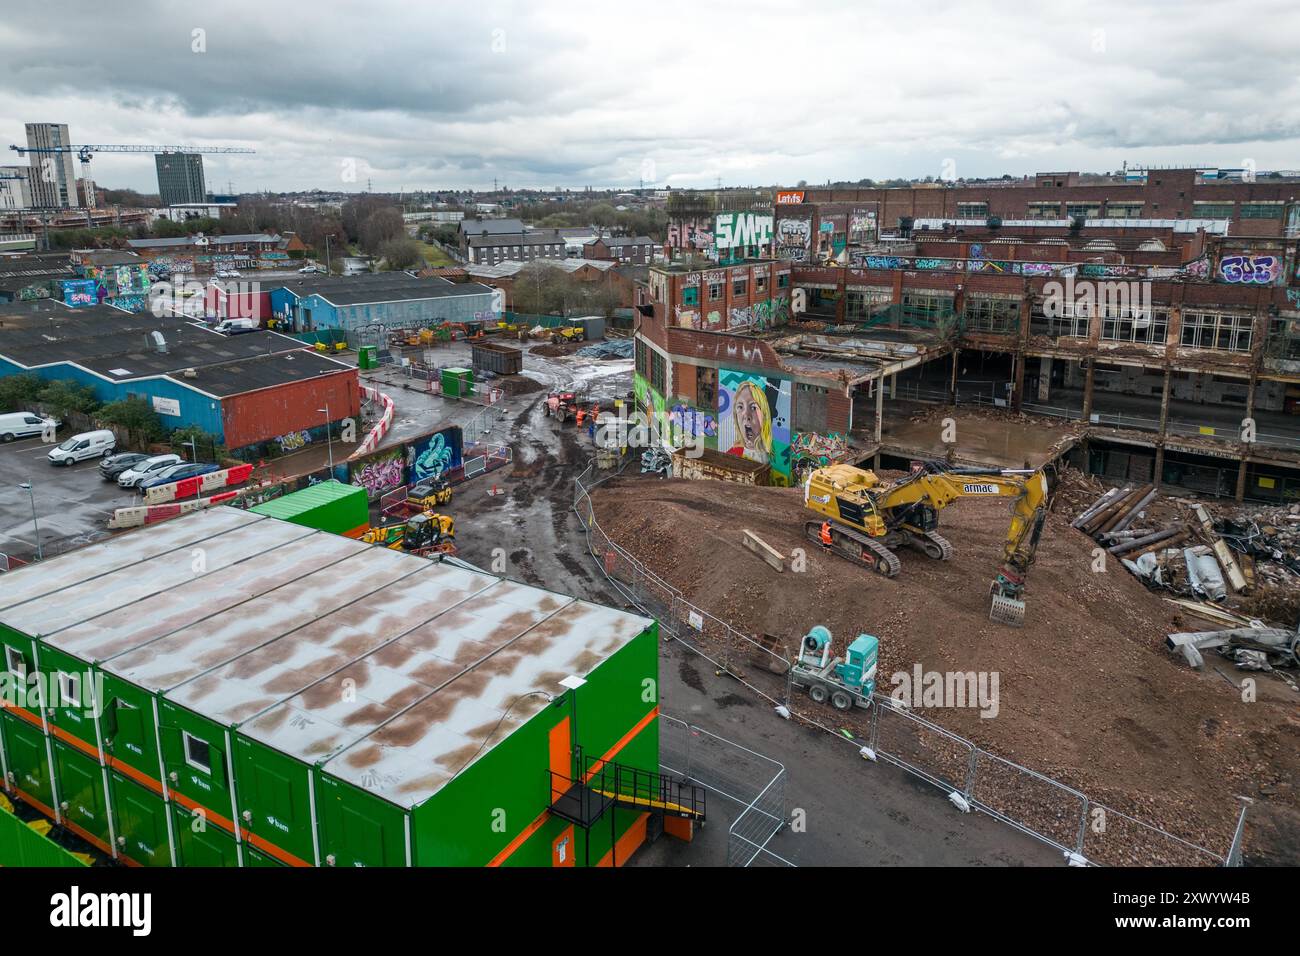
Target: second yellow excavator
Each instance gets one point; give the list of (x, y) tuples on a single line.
[(866, 518)]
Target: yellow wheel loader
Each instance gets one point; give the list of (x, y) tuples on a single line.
[(865, 519)]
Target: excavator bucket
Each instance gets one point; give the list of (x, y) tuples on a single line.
[(1005, 610)]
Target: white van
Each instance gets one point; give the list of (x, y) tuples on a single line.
[(98, 444), (15, 425), (235, 326)]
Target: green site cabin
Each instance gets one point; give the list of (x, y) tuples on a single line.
[(120, 602), (273, 694), (326, 506)]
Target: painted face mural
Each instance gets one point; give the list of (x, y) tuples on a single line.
[(753, 423), (754, 420)]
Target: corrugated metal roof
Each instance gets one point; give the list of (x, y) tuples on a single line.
[(393, 671), (185, 654), (137, 624), (437, 646), (416, 753), (45, 578)]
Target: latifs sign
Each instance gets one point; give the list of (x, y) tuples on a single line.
[(789, 197)]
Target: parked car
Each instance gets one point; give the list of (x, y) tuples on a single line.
[(132, 477), (178, 473), (114, 465), (15, 425), (236, 326), (96, 444)]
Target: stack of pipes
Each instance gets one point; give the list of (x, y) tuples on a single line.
[(1109, 518)]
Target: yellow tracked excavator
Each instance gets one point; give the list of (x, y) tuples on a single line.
[(865, 519)]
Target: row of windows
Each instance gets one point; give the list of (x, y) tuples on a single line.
[(992, 315), (923, 305), (1223, 332), (739, 288), (1219, 331), (1143, 330)]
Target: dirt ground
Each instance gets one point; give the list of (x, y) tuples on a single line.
[(1088, 693)]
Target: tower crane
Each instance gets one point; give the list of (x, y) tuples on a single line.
[(84, 152)]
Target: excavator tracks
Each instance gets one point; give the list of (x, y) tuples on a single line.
[(933, 545), (857, 547)]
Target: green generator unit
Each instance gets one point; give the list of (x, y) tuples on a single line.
[(368, 357), (327, 506), (457, 382)]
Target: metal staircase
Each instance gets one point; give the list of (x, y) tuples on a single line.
[(586, 795)]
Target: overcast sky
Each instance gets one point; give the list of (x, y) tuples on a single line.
[(437, 95)]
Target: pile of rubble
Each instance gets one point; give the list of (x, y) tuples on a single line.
[(1211, 565), (615, 349)]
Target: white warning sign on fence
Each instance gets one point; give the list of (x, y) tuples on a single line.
[(696, 620)]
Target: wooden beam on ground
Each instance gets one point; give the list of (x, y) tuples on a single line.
[(764, 550)]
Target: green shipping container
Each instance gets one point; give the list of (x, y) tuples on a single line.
[(457, 382), (328, 506)]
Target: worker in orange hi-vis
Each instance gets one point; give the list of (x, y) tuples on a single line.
[(827, 541), (581, 416)]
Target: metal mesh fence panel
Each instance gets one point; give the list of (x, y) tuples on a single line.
[(927, 750), (1027, 800), (1111, 838)]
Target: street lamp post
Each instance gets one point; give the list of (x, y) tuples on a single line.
[(27, 487)]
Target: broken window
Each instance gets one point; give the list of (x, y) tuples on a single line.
[(983, 314), (1219, 331)]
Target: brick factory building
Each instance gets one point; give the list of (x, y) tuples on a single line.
[(1171, 345)]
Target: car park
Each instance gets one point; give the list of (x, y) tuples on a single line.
[(96, 444), (177, 473), (15, 425), (148, 468), (114, 465)]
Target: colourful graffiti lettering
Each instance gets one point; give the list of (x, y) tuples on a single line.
[(813, 450), (381, 474), (1248, 269), (692, 423), (293, 441)]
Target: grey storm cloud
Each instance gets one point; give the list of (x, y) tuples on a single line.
[(416, 94)]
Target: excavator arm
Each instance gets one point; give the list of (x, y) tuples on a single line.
[(1028, 491), (907, 510)]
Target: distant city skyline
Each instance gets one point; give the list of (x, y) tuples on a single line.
[(407, 99)]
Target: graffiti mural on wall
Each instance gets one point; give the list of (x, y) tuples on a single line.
[(31, 292), (164, 267), (696, 234), (754, 420), (814, 450), (1197, 268), (862, 226), (382, 473), (293, 441), (1250, 269), (690, 425), (793, 239), (760, 316), (439, 453), (79, 292)]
